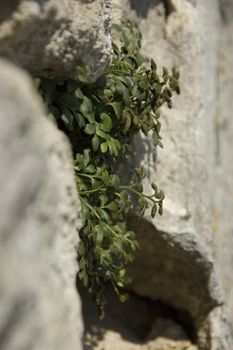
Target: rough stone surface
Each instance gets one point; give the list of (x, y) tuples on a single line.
[(186, 256), (166, 335), (51, 37), (223, 191), (181, 260), (139, 324), (40, 308)]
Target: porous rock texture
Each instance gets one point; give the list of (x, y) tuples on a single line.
[(50, 38), (165, 335), (185, 254), (223, 191), (139, 324), (39, 308)]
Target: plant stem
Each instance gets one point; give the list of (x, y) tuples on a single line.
[(83, 193)]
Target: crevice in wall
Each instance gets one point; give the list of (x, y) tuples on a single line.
[(169, 7), (139, 324), (142, 8), (168, 297), (175, 272), (169, 302), (7, 9), (225, 10)]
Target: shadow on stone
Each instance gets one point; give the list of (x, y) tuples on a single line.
[(143, 7), (8, 8), (140, 323)]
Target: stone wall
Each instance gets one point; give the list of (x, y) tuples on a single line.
[(39, 308), (49, 37), (186, 255)]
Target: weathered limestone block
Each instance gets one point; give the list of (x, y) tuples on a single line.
[(39, 308), (51, 37), (177, 261)]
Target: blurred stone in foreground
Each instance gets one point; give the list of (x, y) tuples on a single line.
[(39, 308)]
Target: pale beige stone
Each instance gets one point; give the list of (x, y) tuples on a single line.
[(40, 307), (50, 38), (181, 260)]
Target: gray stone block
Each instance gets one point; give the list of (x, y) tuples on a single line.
[(40, 307), (50, 38)]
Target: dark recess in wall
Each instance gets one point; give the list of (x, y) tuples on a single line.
[(142, 7), (8, 7), (133, 319)]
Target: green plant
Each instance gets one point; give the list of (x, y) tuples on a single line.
[(99, 120)]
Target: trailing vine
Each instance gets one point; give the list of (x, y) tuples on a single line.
[(100, 119)]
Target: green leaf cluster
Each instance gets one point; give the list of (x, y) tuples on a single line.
[(99, 119)]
